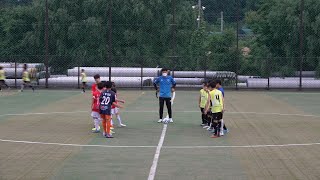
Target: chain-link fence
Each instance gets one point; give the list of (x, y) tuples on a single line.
[(129, 42)]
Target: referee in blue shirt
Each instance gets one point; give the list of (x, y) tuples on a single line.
[(166, 84)]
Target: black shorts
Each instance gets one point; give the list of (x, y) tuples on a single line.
[(202, 110), (2, 81), (26, 82), (217, 116)]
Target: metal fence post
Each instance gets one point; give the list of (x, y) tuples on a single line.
[(238, 54), (110, 38), (78, 77), (301, 42), (141, 77), (47, 43), (15, 73)]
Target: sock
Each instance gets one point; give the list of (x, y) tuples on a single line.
[(104, 125), (222, 124), (119, 119), (111, 122), (108, 126), (97, 123), (22, 87)]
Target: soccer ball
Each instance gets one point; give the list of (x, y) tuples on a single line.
[(166, 120)]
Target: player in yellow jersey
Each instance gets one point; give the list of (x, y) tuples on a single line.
[(2, 78), (26, 78), (203, 99), (216, 104), (83, 80)]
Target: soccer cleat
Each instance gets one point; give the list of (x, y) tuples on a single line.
[(214, 136), (205, 127), (122, 125), (112, 132), (160, 121), (170, 120), (104, 134), (94, 130), (109, 136), (209, 128), (221, 133), (111, 127), (203, 124), (226, 131)]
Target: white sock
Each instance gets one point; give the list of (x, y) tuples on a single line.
[(119, 119), (97, 123), (222, 124)]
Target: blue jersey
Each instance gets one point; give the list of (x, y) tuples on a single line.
[(165, 83), (222, 90), (107, 98)]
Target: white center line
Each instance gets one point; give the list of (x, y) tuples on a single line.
[(153, 168)]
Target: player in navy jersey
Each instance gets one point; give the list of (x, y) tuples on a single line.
[(107, 99)]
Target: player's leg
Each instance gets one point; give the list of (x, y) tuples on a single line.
[(169, 107), (83, 87), (22, 86), (104, 124), (108, 124), (1, 83), (203, 117), (30, 85), (117, 111), (96, 121), (161, 104)]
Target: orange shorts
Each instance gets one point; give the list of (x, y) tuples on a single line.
[(105, 117)]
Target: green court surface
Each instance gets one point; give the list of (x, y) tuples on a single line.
[(47, 135)]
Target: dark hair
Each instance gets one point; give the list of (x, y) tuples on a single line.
[(164, 69), (114, 89), (97, 76), (82, 70), (108, 84), (25, 66), (218, 81), (100, 85), (213, 84), (1, 67)]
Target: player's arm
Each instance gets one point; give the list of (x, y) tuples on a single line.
[(174, 84), (117, 105), (120, 100), (206, 110), (222, 101), (156, 82), (199, 99)]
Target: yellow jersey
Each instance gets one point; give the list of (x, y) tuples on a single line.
[(84, 77), (25, 76), (204, 96), (2, 75), (216, 101)]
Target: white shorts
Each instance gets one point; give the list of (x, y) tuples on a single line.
[(114, 111), (95, 115)]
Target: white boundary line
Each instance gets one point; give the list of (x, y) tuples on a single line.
[(72, 145), (153, 168), (160, 145), (152, 111)]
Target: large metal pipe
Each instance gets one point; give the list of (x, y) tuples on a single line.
[(290, 83), (116, 71), (20, 65)]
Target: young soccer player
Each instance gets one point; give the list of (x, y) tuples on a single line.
[(26, 78), (115, 110), (106, 100), (2, 78), (83, 80), (95, 108), (220, 88), (216, 100), (96, 80), (203, 98)]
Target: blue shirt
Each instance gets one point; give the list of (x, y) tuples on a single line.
[(165, 84), (222, 90), (106, 99)]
